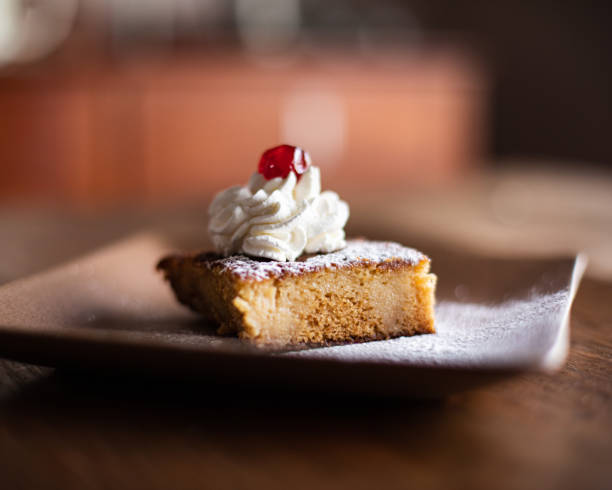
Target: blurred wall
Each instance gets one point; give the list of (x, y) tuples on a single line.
[(188, 125), (133, 108), (551, 72), (161, 99)]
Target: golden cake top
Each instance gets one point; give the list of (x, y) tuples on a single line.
[(356, 252)]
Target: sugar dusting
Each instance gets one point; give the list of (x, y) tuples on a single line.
[(469, 335), (355, 252)]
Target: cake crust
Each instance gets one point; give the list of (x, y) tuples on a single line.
[(366, 291)]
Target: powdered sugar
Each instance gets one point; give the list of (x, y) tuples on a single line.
[(355, 252), (469, 335)]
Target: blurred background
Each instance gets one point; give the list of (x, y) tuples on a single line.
[(480, 121)]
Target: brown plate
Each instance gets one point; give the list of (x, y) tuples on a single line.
[(111, 311)]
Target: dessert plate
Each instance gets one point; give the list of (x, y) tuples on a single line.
[(111, 311)]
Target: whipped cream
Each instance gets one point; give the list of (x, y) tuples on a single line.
[(279, 218)]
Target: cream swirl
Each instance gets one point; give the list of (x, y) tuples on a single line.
[(279, 218)]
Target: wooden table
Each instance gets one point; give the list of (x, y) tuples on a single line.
[(76, 431)]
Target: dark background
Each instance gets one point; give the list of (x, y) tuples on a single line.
[(149, 101), (551, 64)]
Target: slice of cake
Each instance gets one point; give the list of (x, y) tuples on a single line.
[(365, 291), (283, 275)]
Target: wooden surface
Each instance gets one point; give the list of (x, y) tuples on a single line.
[(77, 431), (62, 431)]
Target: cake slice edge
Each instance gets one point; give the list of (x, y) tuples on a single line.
[(364, 300)]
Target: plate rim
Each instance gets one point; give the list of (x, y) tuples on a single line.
[(31, 344)]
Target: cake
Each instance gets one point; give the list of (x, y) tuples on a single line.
[(283, 275), (366, 291)]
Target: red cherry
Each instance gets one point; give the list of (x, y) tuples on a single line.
[(280, 160)]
